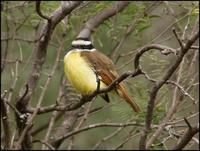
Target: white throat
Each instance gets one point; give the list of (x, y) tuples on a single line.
[(80, 50)]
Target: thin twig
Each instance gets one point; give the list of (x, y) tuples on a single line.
[(41, 50), (188, 135), (91, 111), (65, 136), (107, 138), (10, 93), (45, 125), (182, 119), (14, 108), (49, 129), (20, 140), (159, 84), (60, 94), (178, 38), (6, 125), (163, 49), (87, 109), (184, 92), (38, 10), (45, 143), (167, 28), (95, 21), (126, 140), (5, 54), (19, 39), (22, 4), (188, 123), (132, 27), (175, 102)]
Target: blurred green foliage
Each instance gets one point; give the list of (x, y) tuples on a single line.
[(19, 19)]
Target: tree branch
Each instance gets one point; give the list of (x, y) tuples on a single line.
[(175, 103), (188, 135), (41, 50), (163, 49), (132, 27), (44, 143), (38, 10), (6, 125), (67, 96), (46, 124), (65, 136), (184, 92), (101, 17), (178, 38), (89, 97), (159, 84), (29, 122)]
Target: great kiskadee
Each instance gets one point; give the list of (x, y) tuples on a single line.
[(83, 63)]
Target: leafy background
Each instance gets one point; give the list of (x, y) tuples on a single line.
[(19, 20)]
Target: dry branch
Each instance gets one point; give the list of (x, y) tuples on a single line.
[(163, 49), (188, 135), (67, 96), (98, 19), (65, 136), (160, 83), (41, 50), (132, 27), (70, 109), (6, 124), (38, 10)]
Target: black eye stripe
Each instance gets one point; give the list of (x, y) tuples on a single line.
[(83, 46), (80, 38)]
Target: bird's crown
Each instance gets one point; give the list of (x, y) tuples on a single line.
[(82, 43)]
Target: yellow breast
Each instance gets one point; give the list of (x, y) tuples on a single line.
[(79, 73)]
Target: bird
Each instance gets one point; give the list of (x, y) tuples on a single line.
[(83, 64)]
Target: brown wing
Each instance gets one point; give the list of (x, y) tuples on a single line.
[(106, 70), (102, 64)]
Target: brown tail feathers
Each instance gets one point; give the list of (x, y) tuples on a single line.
[(122, 91)]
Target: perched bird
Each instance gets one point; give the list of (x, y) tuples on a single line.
[(83, 63)]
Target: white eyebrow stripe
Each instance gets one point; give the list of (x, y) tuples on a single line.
[(81, 42)]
